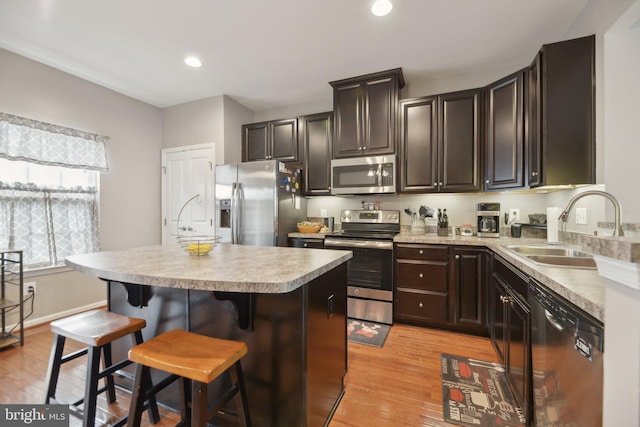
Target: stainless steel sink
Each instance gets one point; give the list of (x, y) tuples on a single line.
[(544, 250), (564, 261), (554, 256)]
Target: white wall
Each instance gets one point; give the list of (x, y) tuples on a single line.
[(216, 119), (235, 115), (622, 114), (129, 214)]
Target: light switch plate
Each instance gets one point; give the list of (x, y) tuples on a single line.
[(323, 212), (581, 215)]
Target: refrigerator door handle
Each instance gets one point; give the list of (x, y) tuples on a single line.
[(239, 207), (234, 212)]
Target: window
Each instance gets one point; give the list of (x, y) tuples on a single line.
[(49, 180)]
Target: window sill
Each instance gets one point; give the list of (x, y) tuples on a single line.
[(45, 271)]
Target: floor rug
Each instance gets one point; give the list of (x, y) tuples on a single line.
[(365, 332), (476, 393)]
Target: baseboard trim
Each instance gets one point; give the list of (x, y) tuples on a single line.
[(46, 319)]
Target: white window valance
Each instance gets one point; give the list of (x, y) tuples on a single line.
[(48, 144)]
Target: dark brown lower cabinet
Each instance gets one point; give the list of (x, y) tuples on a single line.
[(510, 326), (422, 284), (441, 286), (470, 272)]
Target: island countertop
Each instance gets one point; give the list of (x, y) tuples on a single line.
[(231, 268)]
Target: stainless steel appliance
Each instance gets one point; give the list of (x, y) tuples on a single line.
[(488, 219), (566, 359), (258, 203), (369, 234), (363, 175)]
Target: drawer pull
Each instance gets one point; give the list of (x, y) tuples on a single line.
[(420, 251), (421, 275), (420, 305)]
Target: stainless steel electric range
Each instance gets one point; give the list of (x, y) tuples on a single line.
[(369, 234)]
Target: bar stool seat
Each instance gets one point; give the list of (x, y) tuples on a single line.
[(97, 329), (197, 360)]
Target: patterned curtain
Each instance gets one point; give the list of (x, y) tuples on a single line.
[(48, 225), (48, 220), (48, 144)]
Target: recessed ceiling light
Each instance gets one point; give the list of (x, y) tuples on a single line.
[(192, 61), (381, 7)]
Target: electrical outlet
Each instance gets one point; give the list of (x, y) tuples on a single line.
[(27, 286), (514, 214), (581, 215), (323, 212)]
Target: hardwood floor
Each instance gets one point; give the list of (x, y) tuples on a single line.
[(397, 385)]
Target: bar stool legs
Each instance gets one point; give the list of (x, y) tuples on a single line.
[(195, 360), (97, 329)]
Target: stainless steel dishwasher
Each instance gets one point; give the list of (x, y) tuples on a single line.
[(566, 359)]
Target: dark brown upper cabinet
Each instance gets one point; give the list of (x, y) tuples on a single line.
[(504, 145), (440, 143), (561, 114), (276, 139), (365, 109), (316, 135)]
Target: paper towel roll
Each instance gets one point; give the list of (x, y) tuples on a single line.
[(552, 224)]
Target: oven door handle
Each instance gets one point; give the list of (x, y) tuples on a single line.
[(356, 243)]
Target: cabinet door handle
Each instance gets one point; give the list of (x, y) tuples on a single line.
[(457, 256), (305, 245), (421, 275), (420, 305), (506, 300), (487, 182), (435, 184), (440, 184), (534, 173)]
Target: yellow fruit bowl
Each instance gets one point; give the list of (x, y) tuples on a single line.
[(198, 245)]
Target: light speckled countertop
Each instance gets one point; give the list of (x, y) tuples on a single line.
[(233, 268), (584, 288)]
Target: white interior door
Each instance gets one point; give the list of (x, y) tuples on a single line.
[(188, 186)]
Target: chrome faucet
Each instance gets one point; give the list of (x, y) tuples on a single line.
[(617, 231)]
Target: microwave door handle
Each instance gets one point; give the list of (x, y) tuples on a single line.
[(380, 175)]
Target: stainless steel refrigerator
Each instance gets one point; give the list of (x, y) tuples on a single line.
[(258, 203)]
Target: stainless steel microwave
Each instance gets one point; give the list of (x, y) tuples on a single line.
[(363, 175)]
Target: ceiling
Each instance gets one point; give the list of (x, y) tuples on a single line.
[(275, 53)]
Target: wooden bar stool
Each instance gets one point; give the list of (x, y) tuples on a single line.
[(97, 329), (196, 360)]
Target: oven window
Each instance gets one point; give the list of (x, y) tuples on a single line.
[(370, 268)]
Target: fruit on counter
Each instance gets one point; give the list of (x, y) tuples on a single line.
[(196, 248)]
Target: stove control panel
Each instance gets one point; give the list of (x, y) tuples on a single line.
[(370, 217)]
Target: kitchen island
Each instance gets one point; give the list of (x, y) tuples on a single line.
[(287, 304)]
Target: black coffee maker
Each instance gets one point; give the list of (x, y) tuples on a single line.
[(488, 219)]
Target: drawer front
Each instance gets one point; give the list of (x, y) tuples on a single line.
[(422, 252), (422, 306), (427, 276)]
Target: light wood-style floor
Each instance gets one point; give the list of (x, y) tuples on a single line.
[(397, 385)]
